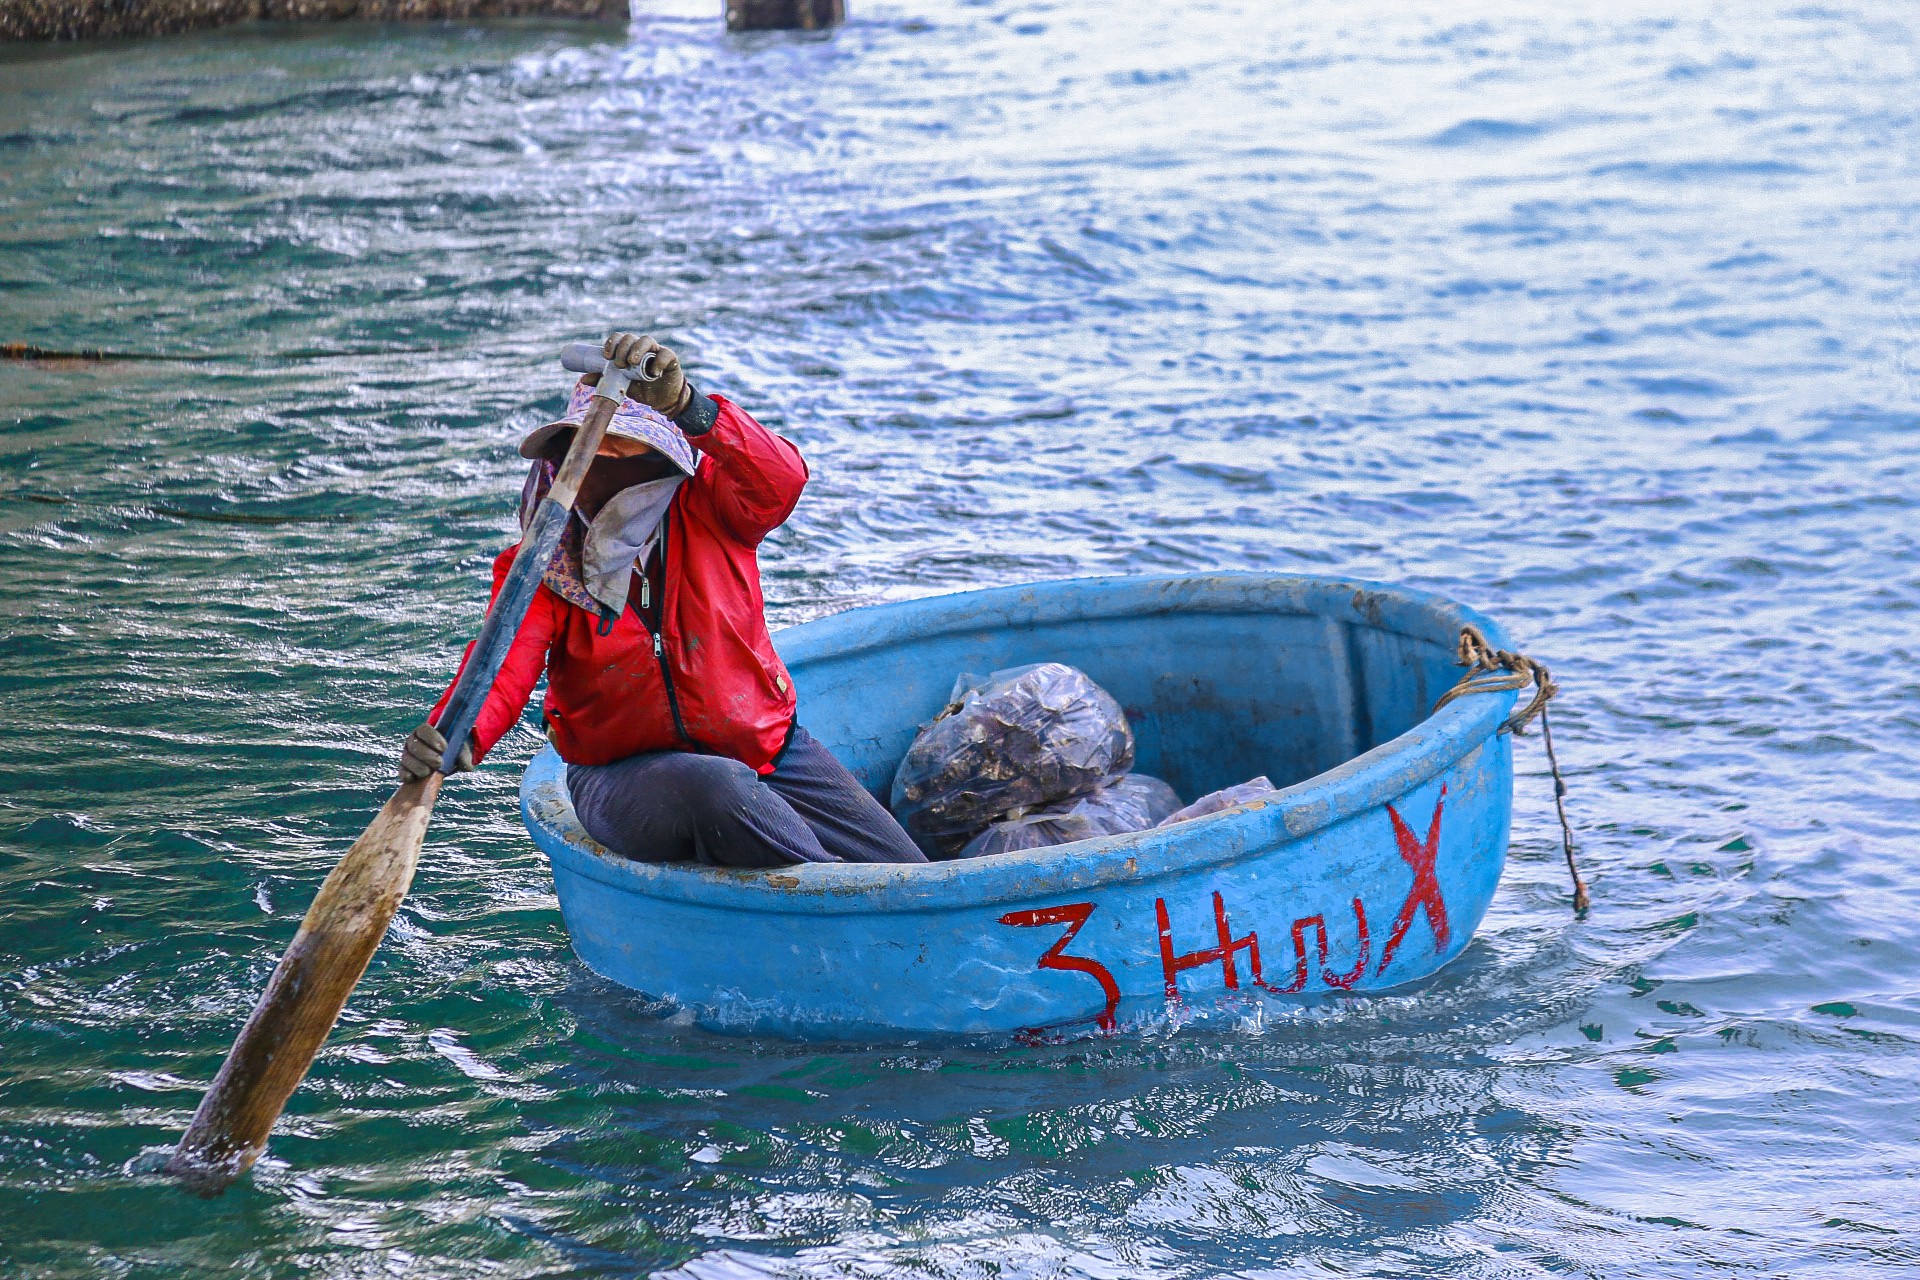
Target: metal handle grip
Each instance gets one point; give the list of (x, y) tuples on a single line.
[(585, 357)]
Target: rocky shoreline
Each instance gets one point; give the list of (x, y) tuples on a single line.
[(88, 19)]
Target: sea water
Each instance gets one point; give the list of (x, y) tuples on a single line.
[(1597, 317)]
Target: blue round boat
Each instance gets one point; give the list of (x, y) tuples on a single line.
[(1370, 868)]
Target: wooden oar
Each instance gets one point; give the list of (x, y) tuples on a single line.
[(351, 912)]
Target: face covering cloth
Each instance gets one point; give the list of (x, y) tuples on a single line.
[(621, 536), (625, 522)]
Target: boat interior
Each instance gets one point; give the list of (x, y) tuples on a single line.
[(1219, 685)]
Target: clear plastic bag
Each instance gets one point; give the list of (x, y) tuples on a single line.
[(1225, 798), (1015, 740), (1131, 803)]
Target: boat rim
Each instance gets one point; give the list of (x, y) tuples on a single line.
[(1369, 780)]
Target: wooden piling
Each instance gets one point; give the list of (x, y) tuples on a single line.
[(784, 15)]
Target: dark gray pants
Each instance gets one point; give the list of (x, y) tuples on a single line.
[(674, 806)]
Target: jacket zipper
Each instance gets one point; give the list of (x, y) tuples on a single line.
[(659, 646)]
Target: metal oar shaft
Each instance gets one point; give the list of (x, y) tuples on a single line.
[(509, 609)]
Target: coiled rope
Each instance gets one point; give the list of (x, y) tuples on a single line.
[(1491, 670)]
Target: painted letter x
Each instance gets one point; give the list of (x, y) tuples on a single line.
[(1425, 894)]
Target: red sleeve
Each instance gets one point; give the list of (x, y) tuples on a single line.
[(526, 662), (751, 476)]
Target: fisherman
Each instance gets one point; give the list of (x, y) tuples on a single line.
[(664, 694)]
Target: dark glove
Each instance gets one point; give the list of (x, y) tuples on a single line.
[(667, 392), (424, 750)]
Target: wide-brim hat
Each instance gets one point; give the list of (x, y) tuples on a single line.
[(633, 420)]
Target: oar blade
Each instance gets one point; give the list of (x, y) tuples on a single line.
[(337, 939)]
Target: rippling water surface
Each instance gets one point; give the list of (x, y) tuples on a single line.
[(1599, 319)]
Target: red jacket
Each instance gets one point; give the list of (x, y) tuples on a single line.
[(609, 697)]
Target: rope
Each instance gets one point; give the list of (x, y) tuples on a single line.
[(1491, 670)]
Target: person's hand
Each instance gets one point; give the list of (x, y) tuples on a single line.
[(667, 392), (425, 748)]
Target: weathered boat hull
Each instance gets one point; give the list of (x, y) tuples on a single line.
[(1371, 870)]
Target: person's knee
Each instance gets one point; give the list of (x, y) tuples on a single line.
[(712, 788), (664, 808), (634, 805)]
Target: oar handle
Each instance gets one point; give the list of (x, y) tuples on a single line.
[(537, 545), (585, 357)]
